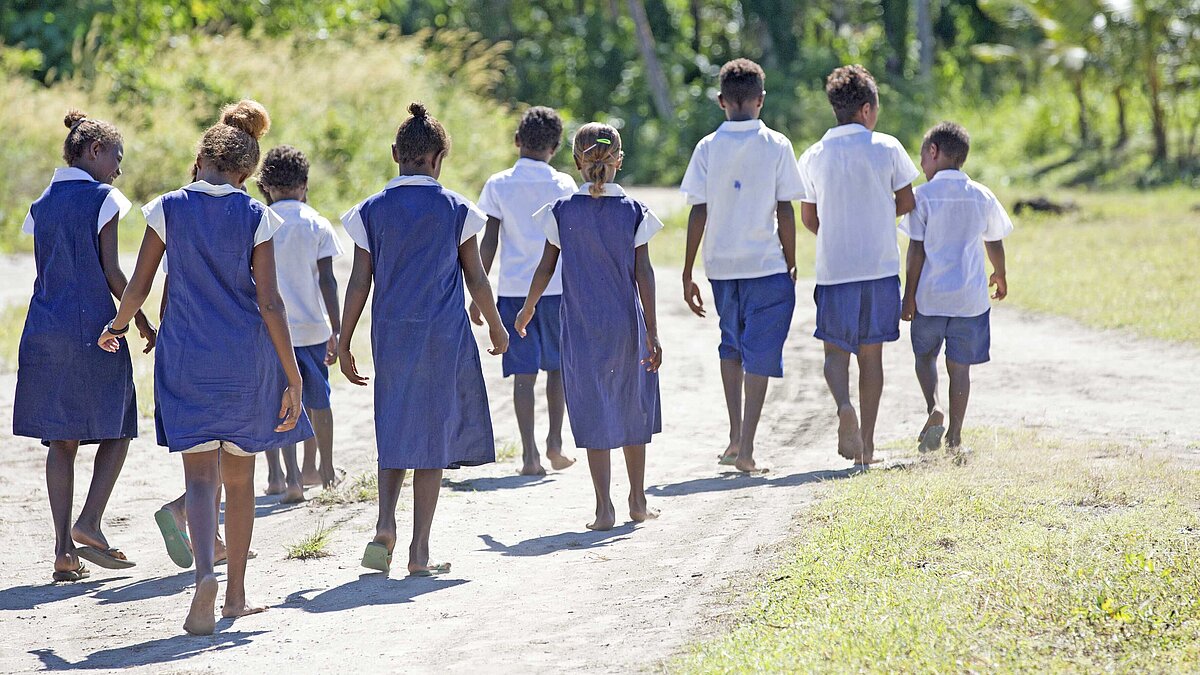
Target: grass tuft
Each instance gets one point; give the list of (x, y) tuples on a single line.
[(362, 488), (313, 546)]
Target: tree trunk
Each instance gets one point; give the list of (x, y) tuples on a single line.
[(697, 22), (655, 75), (925, 37), (1122, 123), (1154, 29), (1085, 132), (896, 31)]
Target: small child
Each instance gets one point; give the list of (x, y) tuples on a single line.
[(415, 241), (305, 247), (610, 343), (856, 182), (946, 294), (741, 182), (510, 198), (68, 392), (225, 371)]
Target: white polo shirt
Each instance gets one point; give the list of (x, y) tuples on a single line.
[(304, 238), (852, 175), (741, 172), (512, 197), (115, 203), (953, 215)]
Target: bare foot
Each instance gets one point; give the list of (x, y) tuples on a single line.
[(310, 477), (333, 479), (201, 618), (850, 444), (68, 567), (747, 465), (606, 517), (730, 453), (867, 457), (639, 512), (534, 469), (293, 495), (243, 608), (559, 461), (275, 487)]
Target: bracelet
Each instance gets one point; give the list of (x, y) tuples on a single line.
[(113, 331)]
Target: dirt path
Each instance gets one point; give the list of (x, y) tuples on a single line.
[(532, 590)]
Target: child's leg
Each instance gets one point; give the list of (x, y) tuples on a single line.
[(60, 484), (927, 376), (556, 405), (237, 475), (294, 493), (601, 469), (756, 394), (276, 480), (309, 473), (110, 457), (202, 475), (322, 441), (960, 393), (427, 483), (731, 379), (523, 396), (390, 481), (635, 464), (870, 390), (837, 377)]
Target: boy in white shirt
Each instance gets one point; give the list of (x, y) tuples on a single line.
[(510, 198), (856, 182), (740, 182), (305, 247), (946, 293)]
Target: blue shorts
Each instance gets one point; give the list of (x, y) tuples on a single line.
[(858, 313), (540, 348), (755, 315), (968, 339), (311, 360)]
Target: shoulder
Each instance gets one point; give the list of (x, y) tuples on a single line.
[(500, 177), (564, 180), (775, 137), (703, 142), (880, 138), (984, 191)]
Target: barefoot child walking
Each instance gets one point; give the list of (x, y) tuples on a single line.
[(305, 248), (69, 392), (415, 241), (610, 348), (740, 182), (225, 372), (510, 198), (856, 182), (946, 294)]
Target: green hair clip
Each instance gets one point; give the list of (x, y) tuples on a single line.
[(604, 141)]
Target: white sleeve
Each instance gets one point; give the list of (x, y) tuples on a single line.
[(27, 226), (156, 218), (904, 171), (115, 204), (267, 226), (999, 225), (488, 203), (475, 221), (808, 189), (353, 222), (329, 246), (646, 229), (695, 179), (545, 220), (788, 186), (913, 223)]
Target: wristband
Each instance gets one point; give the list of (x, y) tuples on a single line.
[(113, 331)]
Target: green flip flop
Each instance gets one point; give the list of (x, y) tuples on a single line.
[(377, 557), (440, 568), (174, 538), (932, 439), (727, 460)]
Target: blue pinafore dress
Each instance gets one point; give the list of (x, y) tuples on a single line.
[(68, 388), (612, 401), (431, 405), (217, 376)]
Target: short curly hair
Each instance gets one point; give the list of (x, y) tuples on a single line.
[(83, 131), (951, 139), (742, 80), (540, 129), (420, 135), (232, 144), (284, 168), (849, 88)]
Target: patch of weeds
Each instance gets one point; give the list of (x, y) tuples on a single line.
[(362, 488), (312, 546), (511, 450)]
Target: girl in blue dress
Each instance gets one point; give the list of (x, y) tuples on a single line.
[(69, 392), (225, 373), (415, 241), (610, 349)]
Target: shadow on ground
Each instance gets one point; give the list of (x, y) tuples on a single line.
[(736, 480), (495, 483), (556, 542), (151, 652), (369, 590)]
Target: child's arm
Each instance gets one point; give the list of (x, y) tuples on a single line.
[(643, 273), (329, 292), (995, 253), (137, 289), (487, 252), (697, 220), (110, 262), (905, 200), (274, 315), (541, 279), (808, 216), (916, 262), (357, 290), (786, 217), (481, 294)]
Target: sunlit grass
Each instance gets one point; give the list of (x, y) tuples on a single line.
[(312, 546)]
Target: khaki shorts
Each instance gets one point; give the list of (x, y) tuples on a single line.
[(209, 446)]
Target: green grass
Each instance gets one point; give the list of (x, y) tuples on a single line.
[(1036, 556), (363, 488), (313, 546), (508, 451)]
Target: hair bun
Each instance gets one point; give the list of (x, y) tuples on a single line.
[(74, 116), (249, 116), (418, 110)]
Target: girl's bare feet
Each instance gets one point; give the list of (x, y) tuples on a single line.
[(606, 517), (201, 618), (534, 469), (243, 607), (746, 465), (294, 494), (310, 477), (558, 461), (639, 512), (850, 443), (275, 486)]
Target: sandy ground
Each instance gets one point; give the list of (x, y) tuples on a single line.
[(532, 589)]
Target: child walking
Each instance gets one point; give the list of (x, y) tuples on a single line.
[(946, 293), (225, 372), (610, 348), (305, 248), (68, 392), (415, 241), (856, 182), (740, 182), (509, 199)]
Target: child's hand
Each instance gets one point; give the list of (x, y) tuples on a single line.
[(290, 408), (653, 362), (909, 309), (109, 342), (1001, 285), (499, 340), (331, 350), (691, 295), (350, 370), (523, 319), (148, 332), (476, 315)]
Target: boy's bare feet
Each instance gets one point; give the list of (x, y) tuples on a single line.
[(310, 477), (559, 461), (201, 618), (850, 443), (534, 469), (640, 512), (294, 494), (275, 487), (232, 610), (606, 517), (747, 465)]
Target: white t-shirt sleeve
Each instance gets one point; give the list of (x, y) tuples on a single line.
[(27, 226), (788, 185), (353, 222), (913, 223), (156, 218), (646, 229), (267, 226), (808, 189), (475, 222), (115, 204), (695, 179), (904, 171), (489, 203), (999, 225), (547, 223), (329, 246)]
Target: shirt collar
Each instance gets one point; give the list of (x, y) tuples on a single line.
[(742, 125), (71, 173), (400, 181), (533, 164), (610, 190), (213, 190), (950, 174), (845, 130)]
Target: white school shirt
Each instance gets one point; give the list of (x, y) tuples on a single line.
[(512, 197), (953, 214), (115, 204), (156, 216), (352, 219), (646, 230), (852, 175), (742, 171), (304, 238)]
